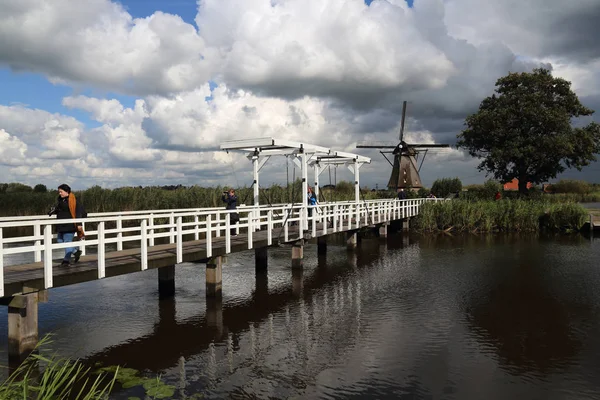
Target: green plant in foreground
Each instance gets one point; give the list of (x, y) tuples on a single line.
[(61, 378), (129, 378)]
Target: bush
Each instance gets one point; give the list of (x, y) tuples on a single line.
[(39, 188), (443, 187), (571, 186)]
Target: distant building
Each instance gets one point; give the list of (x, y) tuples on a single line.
[(514, 185)]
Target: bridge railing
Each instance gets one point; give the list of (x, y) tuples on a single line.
[(106, 232)]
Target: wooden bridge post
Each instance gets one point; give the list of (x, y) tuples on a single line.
[(405, 224), (214, 276), (297, 282), (261, 257), (351, 240), (22, 326), (383, 230), (322, 245), (214, 314), (166, 281), (298, 254)]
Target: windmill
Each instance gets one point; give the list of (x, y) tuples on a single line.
[(405, 173)]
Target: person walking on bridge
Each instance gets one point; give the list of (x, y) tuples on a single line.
[(231, 199), (67, 207)]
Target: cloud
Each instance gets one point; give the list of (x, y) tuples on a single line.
[(12, 150), (538, 28), (328, 72), (49, 136), (97, 42)]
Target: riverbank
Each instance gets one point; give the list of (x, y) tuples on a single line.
[(501, 216)]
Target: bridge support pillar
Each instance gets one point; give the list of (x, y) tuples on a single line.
[(214, 314), (166, 281), (405, 224), (298, 254), (383, 230), (22, 326), (351, 240), (214, 277), (322, 245), (261, 256), (297, 282)]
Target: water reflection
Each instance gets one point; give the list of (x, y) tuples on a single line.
[(466, 317)]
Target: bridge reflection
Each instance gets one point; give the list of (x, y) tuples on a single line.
[(171, 340)]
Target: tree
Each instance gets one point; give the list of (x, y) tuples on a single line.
[(40, 188), (524, 130), (443, 187)]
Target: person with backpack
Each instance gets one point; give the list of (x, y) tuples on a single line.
[(67, 207)]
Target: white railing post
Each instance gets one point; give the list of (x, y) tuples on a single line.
[(172, 228), (218, 233), (302, 215), (314, 221), (119, 233), (47, 256), (2, 265), (196, 227), (82, 242), (179, 240), (144, 244), (285, 226), (250, 229), (357, 215), (101, 251), (37, 254), (151, 232), (209, 235), (270, 227), (335, 207), (227, 234)]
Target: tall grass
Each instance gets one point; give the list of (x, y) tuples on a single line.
[(97, 199), (500, 216)]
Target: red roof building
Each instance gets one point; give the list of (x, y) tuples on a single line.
[(514, 185)]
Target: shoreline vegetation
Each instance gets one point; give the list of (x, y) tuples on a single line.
[(514, 215), (472, 210)]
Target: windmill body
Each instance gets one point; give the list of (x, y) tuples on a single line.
[(405, 166)]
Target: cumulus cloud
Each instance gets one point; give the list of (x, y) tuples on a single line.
[(329, 72), (97, 42), (50, 136)]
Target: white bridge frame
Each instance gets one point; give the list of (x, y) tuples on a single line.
[(143, 227)]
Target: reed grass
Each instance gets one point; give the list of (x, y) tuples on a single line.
[(97, 199), (500, 216), (61, 378)]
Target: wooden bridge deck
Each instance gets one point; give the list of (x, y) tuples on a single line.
[(24, 278)]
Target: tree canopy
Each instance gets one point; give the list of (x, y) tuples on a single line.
[(525, 129)]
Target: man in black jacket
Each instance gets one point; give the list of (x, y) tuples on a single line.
[(67, 207), (231, 199)]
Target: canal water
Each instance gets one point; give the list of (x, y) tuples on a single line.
[(468, 317)]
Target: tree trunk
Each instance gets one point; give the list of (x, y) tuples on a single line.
[(523, 186)]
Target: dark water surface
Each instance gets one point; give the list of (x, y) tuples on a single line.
[(497, 317)]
